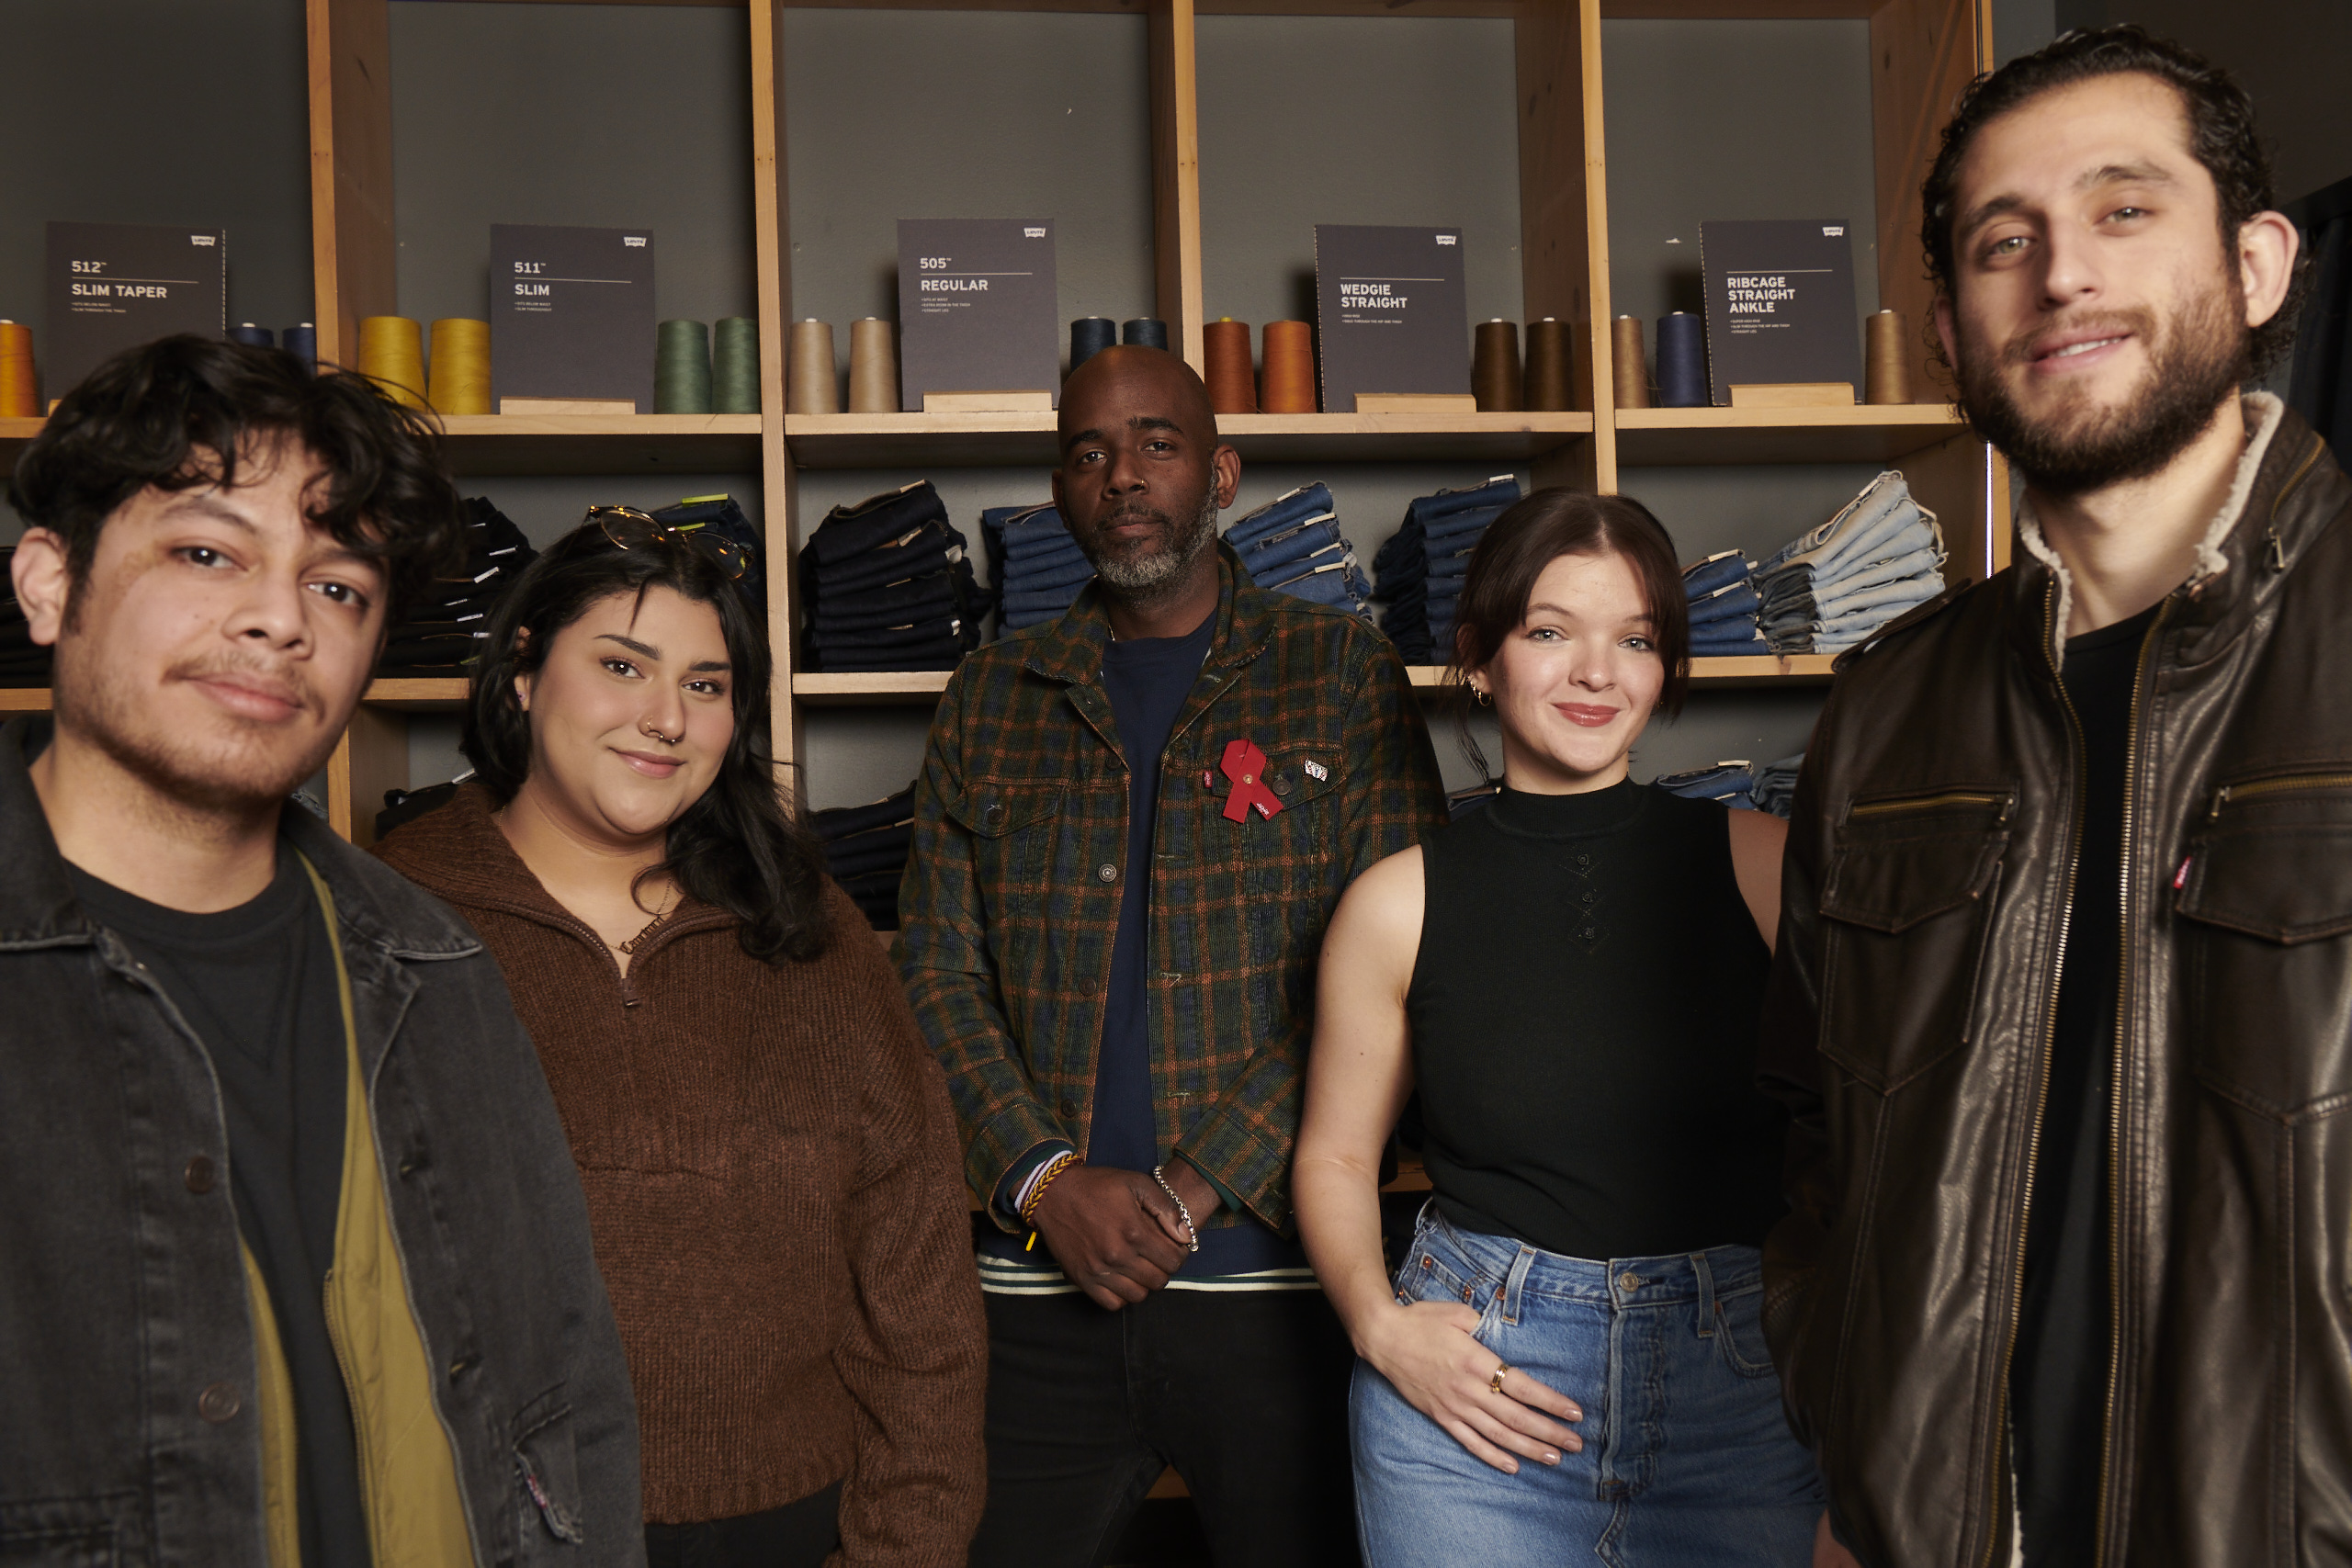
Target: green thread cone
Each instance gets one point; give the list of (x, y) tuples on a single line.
[(681, 368), (735, 366)]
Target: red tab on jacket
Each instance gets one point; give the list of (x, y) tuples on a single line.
[(1246, 766)]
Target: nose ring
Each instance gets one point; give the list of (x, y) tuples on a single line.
[(665, 740)]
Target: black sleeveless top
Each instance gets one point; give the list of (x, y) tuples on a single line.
[(1584, 1015)]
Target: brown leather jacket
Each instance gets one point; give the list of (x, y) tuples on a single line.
[(1926, 896)]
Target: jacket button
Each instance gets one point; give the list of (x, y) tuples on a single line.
[(1069, 1107), (1283, 782), (994, 816), (1106, 872), (198, 1174), (220, 1403)]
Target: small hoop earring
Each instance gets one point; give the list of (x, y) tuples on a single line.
[(1485, 698)]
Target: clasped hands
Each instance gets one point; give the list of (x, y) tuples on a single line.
[(1116, 1234)]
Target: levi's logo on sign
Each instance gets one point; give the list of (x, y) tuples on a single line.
[(1244, 765)]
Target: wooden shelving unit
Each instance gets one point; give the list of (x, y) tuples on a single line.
[(1922, 52)]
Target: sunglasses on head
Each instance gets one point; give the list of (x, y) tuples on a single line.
[(631, 529)]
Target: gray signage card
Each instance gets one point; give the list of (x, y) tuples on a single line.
[(571, 313), (976, 308), (115, 285), (1779, 304), (1391, 311)]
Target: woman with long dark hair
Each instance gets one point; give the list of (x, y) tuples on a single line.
[(1571, 977), (771, 1169)]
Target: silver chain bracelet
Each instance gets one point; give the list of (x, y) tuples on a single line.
[(1189, 1225)]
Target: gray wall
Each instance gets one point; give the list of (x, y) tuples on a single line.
[(1322, 119), (2291, 55), (1730, 120), (219, 139), (944, 114), (601, 116)]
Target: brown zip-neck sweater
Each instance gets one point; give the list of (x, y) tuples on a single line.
[(773, 1179)]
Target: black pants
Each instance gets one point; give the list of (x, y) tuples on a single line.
[(798, 1535), (1245, 1393)]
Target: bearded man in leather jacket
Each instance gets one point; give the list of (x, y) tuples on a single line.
[(2063, 1007)]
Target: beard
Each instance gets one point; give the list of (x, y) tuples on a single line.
[(239, 769), (1143, 571), (2197, 357)]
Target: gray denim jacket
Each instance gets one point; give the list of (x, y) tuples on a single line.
[(128, 1431)]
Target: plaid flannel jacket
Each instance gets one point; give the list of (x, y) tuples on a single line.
[(1011, 902)]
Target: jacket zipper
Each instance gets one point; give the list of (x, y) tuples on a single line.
[(2042, 1088), (2229, 793), (2115, 1108), (1932, 803), (358, 1427)]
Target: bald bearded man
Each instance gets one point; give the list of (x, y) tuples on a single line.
[(1131, 827)]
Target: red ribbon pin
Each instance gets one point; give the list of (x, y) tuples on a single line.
[(1246, 766)]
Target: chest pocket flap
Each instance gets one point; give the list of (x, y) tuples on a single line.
[(1906, 902), (1892, 884), (993, 809), (2285, 884)]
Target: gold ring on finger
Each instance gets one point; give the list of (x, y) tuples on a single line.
[(1496, 1381)]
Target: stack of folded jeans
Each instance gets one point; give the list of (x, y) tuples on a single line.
[(1727, 784), (888, 586), (1035, 565), (865, 851), (1418, 572), (1460, 803), (442, 634), (23, 661), (719, 515), (1724, 602), (1775, 789), (1828, 590), (1292, 545)]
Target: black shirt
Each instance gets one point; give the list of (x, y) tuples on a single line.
[(257, 984), (2058, 1373), (1584, 1009)]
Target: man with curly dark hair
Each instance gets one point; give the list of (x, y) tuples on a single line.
[(295, 1266), (2067, 954)]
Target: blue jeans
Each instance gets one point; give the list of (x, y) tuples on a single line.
[(1686, 1460), (1718, 571), (1267, 556)]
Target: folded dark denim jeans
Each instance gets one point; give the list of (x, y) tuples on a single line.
[(1708, 784), (1737, 602), (842, 859), (851, 530), (843, 821), (941, 655), (910, 633), (1718, 571), (1271, 555), (1335, 585), (1449, 569), (1497, 492), (1071, 575), (1038, 549), (877, 568), (1730, 639), (828, 622), (1283, 514), (1053, 600), (1458, 532), (913, 594)]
